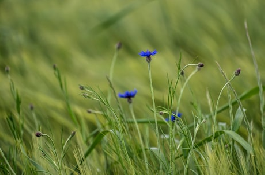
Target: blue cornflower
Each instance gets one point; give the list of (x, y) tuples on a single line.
[(128, 94), (148, 55), (173, 116)]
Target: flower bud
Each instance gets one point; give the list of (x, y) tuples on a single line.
[(38, 134), (237, 72)]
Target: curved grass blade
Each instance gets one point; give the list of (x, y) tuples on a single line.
[(38, 167), (245, 95), (217, 134), (238, 119), (115, 18), (239, 139), (98, 138)]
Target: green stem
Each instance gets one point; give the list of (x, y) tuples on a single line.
[(112, 70), (154, 106), (178, 104), (260, 85), (10, 168), (183, 87), (140, 137), (217, 102)]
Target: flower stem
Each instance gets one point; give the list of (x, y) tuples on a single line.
[(154, 106), (112, 70), (140, 137), (218, 99)]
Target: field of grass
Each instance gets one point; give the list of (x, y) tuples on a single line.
[(61, 73)]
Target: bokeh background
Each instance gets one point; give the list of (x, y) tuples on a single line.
[(80, 36)]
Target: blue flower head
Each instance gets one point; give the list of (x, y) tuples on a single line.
[(173, 117), (147, 55), (128, 94)]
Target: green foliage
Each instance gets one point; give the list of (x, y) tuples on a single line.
[(238, 119), (116, 138)]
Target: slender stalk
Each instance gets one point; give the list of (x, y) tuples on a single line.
[(140, 137), (10, 168), (182, 89), (112, 70), (154, 106), (260, 85), (171, 130), (218, 99), (237, 98)]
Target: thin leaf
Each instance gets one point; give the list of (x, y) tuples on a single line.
[(217, 134), (35, 164), (12, 88), (238, 119), (98, 138), (185, 148), (115, 18), (18, 102), (209, 139), (240, 140)]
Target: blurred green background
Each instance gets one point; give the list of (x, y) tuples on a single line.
[(79, 37)]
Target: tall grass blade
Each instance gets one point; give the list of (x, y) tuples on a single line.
[(259, 83), (18, 102), (115, 18), (238, 119), (38, 167), (98, 138), (217, 134), (239, 139)]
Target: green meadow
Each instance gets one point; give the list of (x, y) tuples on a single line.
[(62, 71)]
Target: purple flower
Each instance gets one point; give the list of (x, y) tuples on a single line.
[(128, 94), (148, 55), (173, 117)]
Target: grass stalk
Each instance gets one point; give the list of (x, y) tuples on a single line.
[(217, 103), (154, 106), (112, 70), (140, 137), (10, 168), (237, 98), (259, 84)]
